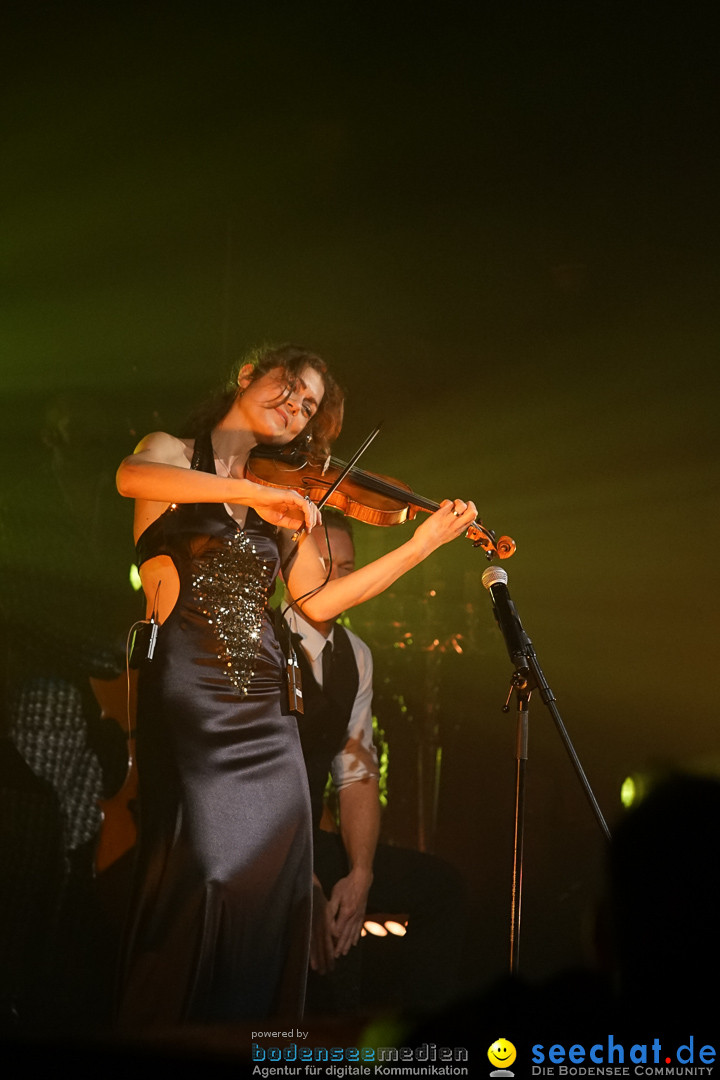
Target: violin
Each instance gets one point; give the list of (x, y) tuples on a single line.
[(364, 496)]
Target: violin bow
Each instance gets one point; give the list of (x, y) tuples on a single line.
[(339, 479)]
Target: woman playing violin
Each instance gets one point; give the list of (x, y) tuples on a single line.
[(221, 916)]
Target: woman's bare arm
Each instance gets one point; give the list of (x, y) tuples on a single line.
[(307, 573), (159, 473)]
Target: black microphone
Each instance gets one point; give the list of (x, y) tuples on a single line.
[(495, 581)]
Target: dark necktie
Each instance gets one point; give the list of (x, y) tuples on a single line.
[(327, 664)]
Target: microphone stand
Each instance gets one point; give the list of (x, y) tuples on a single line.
[(522, 692), (528, 676)]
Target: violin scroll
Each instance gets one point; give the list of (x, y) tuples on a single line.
[(485, 539)]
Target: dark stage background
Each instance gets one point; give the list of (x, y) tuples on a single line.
[(498, 222)]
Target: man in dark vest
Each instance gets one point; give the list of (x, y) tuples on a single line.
[(352, 871)]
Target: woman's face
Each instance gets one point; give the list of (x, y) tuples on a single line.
[(274, 414)]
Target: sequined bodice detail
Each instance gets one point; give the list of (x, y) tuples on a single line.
[(231, 584)]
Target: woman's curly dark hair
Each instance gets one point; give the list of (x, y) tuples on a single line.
[(320, 431)]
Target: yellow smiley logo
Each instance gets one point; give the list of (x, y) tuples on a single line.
[(502, 1053)]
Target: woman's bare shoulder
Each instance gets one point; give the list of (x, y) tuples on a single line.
[(159, 446)]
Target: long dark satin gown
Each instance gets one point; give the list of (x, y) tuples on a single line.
[(220, 924)]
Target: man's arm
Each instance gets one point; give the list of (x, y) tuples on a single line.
[(359, 805), (355, 773)]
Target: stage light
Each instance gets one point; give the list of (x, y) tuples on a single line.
[(637, 785), (628, 791), (391, 927), (396, 928), (135, 578)]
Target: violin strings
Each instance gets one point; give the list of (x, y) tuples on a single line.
[(384, 487)]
